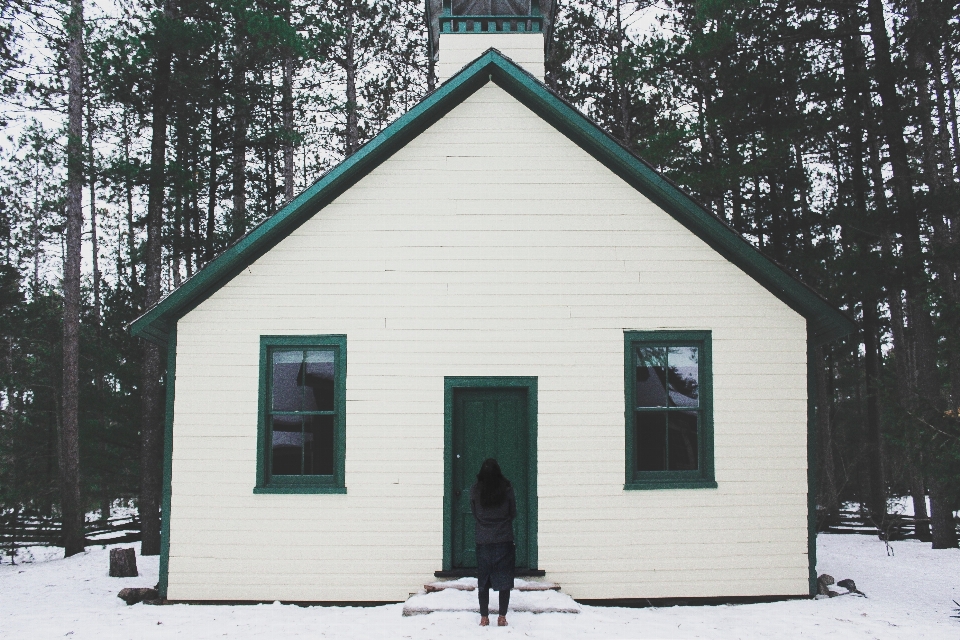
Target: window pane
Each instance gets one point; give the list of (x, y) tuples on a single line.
[(650, 436), (318, 445), (286, 373), (651, 376), (683, 378), (683, 440), (318, 381), (287, 445)]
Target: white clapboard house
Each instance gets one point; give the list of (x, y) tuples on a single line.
[(492, 275)]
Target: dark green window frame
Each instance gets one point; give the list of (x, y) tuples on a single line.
[(266, 483), (703, 476)]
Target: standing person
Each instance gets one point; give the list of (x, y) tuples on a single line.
[(494, 507)]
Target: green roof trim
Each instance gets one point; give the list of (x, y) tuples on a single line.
[(825, 323)]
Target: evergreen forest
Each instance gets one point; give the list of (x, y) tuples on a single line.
[(140, 138)]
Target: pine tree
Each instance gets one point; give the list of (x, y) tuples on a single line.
[(151, 425), (71, 506)]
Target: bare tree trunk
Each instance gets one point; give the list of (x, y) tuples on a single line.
[(193, 241), (804, 194), (856, 107), (944, 220), (626, 135), (828, 497), (176, 241), (268, 156), (941, 516), (431, 54), (901, 346), (929, 400), (871, 369), (151, 432), (288, 134), (69, 443), (919, 495), (53, 443), (943, 138), (214, 160), (97, 410), (128, 189), (94, 241), (951, 92), (104, 508), (913, 261), (937, 152), (35, 236), (238, 224), (352, 134)]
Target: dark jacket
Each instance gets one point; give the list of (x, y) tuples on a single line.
[(494, 524)]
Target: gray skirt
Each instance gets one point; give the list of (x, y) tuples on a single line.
[(495, 565)]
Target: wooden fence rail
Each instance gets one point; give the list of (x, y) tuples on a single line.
[(29, 528), (894, 527)]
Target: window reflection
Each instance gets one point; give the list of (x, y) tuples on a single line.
[(287, 445), (651, 439), (682, 437), (287, 394), (316, 375), (666, 408), (683, 382), (651, 377), (303, 384), (318, 445)]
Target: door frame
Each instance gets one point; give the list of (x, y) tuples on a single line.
[(450, 384)]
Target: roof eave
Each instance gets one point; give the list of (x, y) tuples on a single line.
[(826, 322)]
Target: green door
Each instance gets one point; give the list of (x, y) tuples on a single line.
[(489, 423)]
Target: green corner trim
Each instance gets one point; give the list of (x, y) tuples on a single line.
[(812, 402), (826, 322), (302, 484), (704, 476), (167, 463), (489, 382)]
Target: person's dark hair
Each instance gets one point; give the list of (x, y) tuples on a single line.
[(491, 484)]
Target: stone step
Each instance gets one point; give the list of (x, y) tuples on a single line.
[(470, 584), (461, 595)]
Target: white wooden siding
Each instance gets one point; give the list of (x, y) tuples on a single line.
[(459, 50), (490, 245)]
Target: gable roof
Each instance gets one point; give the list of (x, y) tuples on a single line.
[(825, 323)]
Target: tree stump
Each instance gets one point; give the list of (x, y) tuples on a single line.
[(123, 563)]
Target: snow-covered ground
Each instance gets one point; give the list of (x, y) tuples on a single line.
[(910, 596)]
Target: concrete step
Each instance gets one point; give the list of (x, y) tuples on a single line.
[(461, 595)]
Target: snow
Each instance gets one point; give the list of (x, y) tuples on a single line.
[(902, 505), (909, 596), (118, 509), (460, 596)]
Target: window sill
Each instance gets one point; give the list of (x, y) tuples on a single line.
[(295, 488), (643, 485)]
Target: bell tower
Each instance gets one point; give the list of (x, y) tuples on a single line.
[(461, 30)]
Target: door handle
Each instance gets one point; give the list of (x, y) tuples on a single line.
[(459, 492)]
